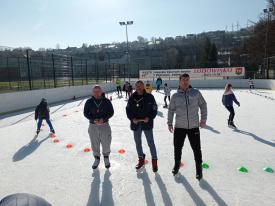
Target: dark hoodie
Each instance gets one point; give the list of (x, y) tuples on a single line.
[(42, 110)]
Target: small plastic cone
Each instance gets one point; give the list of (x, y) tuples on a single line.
[(56, 141), (69, 146), (121, 151), (87, 150)]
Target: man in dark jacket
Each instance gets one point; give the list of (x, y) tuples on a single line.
[(42, 112), (141, 111), (98, 109)]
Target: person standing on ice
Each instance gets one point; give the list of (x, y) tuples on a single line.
[(98, 110), (251, 84), (227, 99), (42, 112), (185, 103), (167, 93), (158, 83), (141, 111), (118, 86)]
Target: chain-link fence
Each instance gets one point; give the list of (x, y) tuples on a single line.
[(51, 71)]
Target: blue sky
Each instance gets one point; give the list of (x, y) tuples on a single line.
[(44, 23)]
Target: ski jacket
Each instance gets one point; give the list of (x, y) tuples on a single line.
[(228, 99), (186, 105)]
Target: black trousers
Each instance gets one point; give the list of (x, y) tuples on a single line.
[(166, 98), (195, 142), (118, 89), (232, 113)]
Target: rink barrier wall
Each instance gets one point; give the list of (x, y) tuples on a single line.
[(237, 83), (16, 101)]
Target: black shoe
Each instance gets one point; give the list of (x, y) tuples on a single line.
[(37, 131), (107, 162), (96, 162), (52, 131), (231, 123), (228, 122), (176, 168), (141, 162), (199, 172)]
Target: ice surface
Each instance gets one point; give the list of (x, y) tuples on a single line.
[(64, 176)]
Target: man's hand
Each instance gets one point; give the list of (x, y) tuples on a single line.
[(171, 128), (239, 104), (99, 121), (135, 121), (203, 124), (146, 120)]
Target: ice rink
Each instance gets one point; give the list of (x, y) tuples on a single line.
[(64, 177)]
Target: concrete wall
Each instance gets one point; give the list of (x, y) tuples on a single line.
[(27, 99)]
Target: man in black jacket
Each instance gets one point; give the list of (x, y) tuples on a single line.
[(141, 111), (98, 109), (42, 112)]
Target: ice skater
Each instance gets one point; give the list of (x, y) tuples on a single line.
[(185, 103), (127, 87), (141, 111), (118, 87), (98, 110), (42, 112), (227, 99), (167, 93), (148, 88), (251, 84), (158, 83)]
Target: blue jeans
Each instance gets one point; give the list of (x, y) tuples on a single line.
[(150, 140), (39, 123)]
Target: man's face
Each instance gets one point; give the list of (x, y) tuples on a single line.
[(139, 87), (97, 92), (184, 82)]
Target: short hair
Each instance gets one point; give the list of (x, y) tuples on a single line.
[(185, 75), (139, 82), (97, 87)]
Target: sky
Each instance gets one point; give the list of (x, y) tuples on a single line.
[(46, 23)]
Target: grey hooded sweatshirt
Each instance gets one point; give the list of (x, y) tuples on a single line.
[(186, 105)]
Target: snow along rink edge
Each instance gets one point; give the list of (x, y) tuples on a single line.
[(63, 176)]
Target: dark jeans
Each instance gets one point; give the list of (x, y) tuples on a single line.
[(166, 98), (150, 140), (195, 142), (158, 87), (118, 89), (39, 123), (232, 113)]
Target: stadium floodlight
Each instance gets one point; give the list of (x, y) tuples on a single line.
[(126, 24)]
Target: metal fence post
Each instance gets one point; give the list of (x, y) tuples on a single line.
[(29, 70), (86, 70), (54, 77), (72, 70)]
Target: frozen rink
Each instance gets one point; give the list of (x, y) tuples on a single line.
[(64, 176)]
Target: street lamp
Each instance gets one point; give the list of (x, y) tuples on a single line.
[(268, 12), (126, 24)]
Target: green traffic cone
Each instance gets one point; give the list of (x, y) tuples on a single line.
[(204, 165), (268, 169), (243, 169)]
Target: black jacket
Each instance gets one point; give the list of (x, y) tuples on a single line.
[(104, 110), (42, 111), (147, 107)]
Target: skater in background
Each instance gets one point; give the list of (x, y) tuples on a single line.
[(227, 99), (167, 93), (127, 87), (141, 111), (118, 87), (42, 112), (158, 83), (251, 84), (148, 87), (186, 104), (98, 110)]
